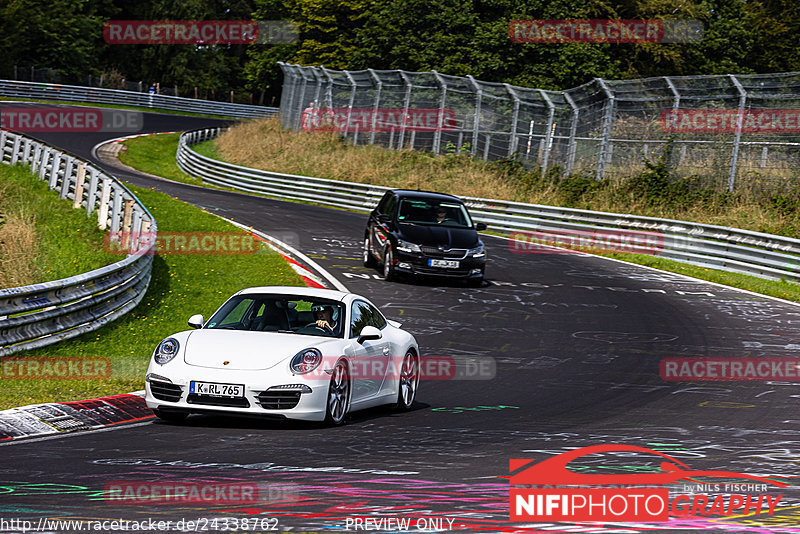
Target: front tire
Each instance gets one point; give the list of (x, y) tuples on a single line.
[(369, 260), (338, 395), (388, 265), (408, 383)]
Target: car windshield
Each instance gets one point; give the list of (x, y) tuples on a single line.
[(433, 212), (288, 314)]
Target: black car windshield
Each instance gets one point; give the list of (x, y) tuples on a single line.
[(433, 212), (289, 314)]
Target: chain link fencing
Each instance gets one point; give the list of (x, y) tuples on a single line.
[(726, 130)]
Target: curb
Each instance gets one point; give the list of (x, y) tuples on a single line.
[(37, 420)]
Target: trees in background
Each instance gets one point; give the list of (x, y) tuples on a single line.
[(451, 36)]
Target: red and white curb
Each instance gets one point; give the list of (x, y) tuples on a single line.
[(37, 420)]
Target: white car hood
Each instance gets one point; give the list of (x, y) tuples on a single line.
[(245, 351)]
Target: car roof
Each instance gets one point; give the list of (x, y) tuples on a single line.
[(296, 290), (413, 193)]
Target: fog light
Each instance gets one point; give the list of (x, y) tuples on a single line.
[(404, 265), (475, 271)]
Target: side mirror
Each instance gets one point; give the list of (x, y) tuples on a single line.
[(196, 321), (480, 227), (369, 333)]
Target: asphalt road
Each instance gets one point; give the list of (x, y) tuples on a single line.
[(577, 342)]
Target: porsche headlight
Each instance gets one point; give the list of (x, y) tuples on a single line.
[(405, 246), (166, 350), (477, 252), (306, 361)]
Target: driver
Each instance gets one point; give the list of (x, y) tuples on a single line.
[(323, 315)]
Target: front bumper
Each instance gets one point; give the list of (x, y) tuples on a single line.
[(419, 264), (170, 390)]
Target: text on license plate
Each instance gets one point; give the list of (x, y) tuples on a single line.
[(449, 264), (216, 390)]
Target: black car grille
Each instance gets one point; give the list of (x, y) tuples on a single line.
[(452, 254), (278, 400), (165, 391), (228, 402)]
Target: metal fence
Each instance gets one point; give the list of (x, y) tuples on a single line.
[(605, 128), (42, 314), (717, 247), (75, 93)]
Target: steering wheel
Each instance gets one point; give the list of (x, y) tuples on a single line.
[(323, 328)]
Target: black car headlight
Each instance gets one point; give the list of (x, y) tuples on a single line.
[(306, 361), (166, 350), (405, 246), (477, 252)]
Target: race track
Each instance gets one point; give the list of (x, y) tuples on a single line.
[(577, 342)]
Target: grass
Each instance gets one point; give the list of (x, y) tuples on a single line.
[(656, 191), (181, 286), (155, 154), (42, 237), (119, 106)]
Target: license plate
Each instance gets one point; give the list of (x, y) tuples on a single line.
[(214, 389), (448, 264)]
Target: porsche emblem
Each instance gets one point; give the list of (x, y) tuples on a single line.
[(226, 362)]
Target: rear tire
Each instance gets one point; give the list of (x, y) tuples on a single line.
[(388, 265), (369, 260), (171, 416)]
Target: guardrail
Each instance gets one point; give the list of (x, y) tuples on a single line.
[(41, 314), (717, 247), (75, 93)]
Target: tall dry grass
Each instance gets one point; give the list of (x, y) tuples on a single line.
[(266, 145), (18, 245)]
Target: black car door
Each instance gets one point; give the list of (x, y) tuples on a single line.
[(379, 226)]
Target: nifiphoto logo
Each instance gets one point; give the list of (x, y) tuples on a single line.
[(549, 490)]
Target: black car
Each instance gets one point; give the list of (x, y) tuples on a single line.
[(424, 233)]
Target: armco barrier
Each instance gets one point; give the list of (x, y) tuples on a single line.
[(41, 314), (717, 247), (74, 93)]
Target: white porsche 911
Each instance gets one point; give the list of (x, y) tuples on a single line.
[(285, 352)]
